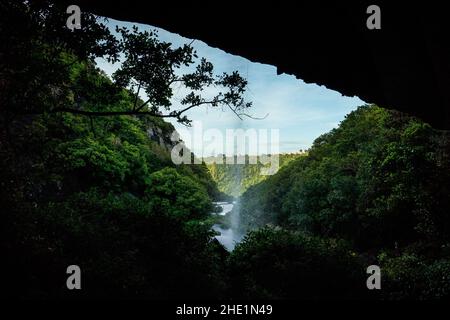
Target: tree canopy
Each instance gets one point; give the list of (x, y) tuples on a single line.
[(38, 29)]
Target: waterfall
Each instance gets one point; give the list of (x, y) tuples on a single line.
[(230, 235), (234, 216)]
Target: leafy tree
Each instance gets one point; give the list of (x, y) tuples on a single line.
[(380, 181), (273, 264), (154, 66), (177, 195), (78, 189), (37, 49), (234, 179), (369, 181), (39, 81)]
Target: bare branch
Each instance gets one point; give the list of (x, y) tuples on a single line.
[(199, 104), (108, 113), (142, 105), (253, 117), (234, 111), (243, 114), (137, 96), (136, 112)]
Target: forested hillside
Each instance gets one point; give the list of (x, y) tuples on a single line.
[(102, 193), (380, 183), (233, 179), (84, 182)]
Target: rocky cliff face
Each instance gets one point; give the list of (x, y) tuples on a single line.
[(162, 137), (161, 132)]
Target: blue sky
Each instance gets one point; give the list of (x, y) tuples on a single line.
[(300, 111)]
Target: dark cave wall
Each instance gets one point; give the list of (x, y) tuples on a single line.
[(403, 66)]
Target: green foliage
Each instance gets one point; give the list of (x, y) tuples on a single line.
[(177, 195), (369, 181), (274, 263), (123, 248), (411, 276), (35, 48), (154, 66), (381, 182), (235, 179), (99, 192)]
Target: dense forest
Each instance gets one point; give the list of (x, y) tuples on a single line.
[(377, 187), (87, 179), (233, 179), (96, 191)]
